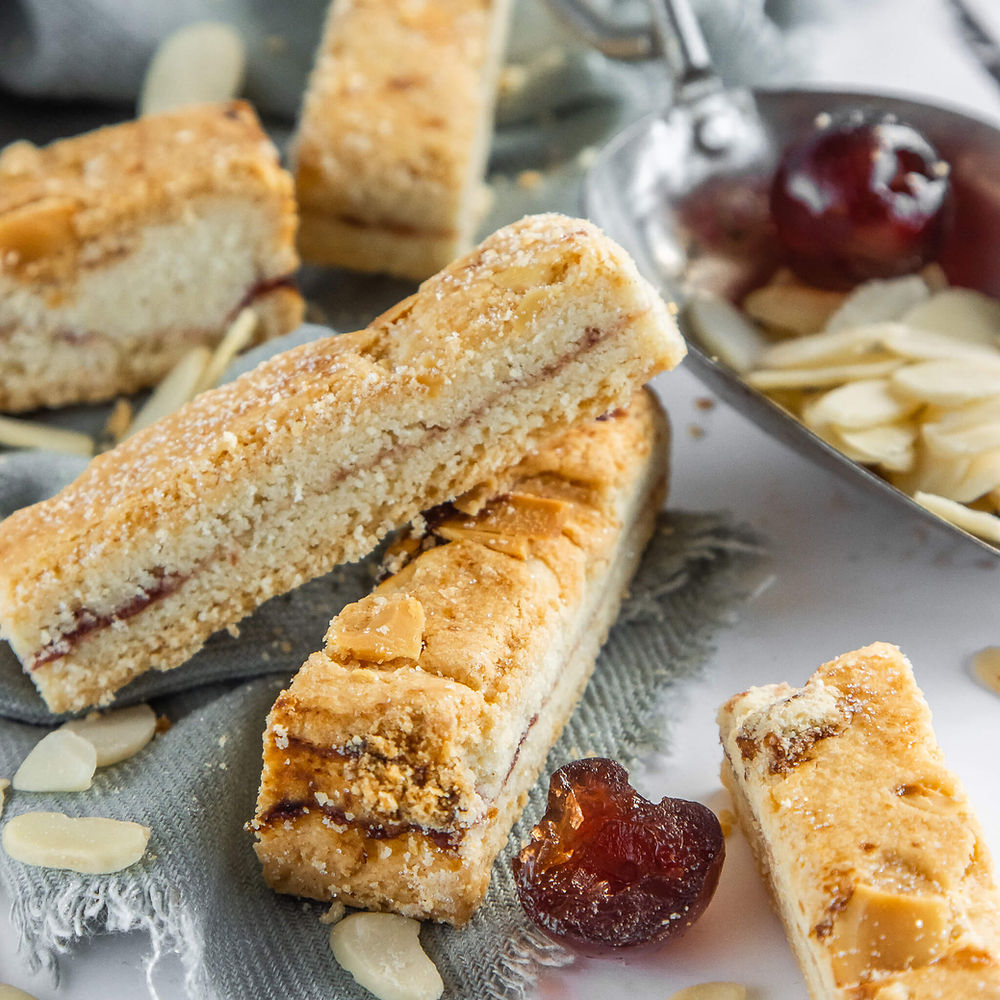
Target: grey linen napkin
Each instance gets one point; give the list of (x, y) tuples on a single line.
[(199, 891)]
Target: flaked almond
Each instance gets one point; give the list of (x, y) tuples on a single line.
[(62, 761), (90, 845), (236, 339), (118, 734), (16, 433), (712, 991), (382, 951), (175, 390), (199, 63), (13, 993)]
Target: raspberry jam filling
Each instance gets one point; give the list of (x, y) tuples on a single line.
[(87, 621)]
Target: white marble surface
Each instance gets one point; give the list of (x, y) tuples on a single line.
[(847, 570)]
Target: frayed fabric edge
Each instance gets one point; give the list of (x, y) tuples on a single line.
[(116, 906)]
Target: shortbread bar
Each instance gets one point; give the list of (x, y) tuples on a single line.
[(123, 248), (402, 753), (873, 855), (310, 459), (394, 133)]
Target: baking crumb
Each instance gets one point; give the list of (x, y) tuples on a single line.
[(705, 403), (986, 667), (233, 630), (727, 820), (696, 431), (529, 179), (512, 79), (119, 420), (275, 45), (162, 724)]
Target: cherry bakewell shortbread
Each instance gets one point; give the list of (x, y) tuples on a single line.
[(123, 248), (307, 461), (391, 147), (402, 753), (873, 855)]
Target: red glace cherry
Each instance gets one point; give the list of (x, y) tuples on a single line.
[(859, 198), (606, 869)]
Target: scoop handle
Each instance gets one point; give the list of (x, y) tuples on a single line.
[(683, 47)]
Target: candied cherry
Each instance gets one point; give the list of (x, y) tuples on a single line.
[(606, 869), (859, 198)]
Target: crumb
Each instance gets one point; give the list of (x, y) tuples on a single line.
[(162, 724), (233, 630), (705, 403), (727, 820), (119, 419), (696, 431), (512, 79), (529, 179), (335, 914), (275, 45)]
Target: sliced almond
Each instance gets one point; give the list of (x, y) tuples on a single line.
[(960, 313), (13, 993), (382, 951), (796, 309), (946, 383), (236, 339), (27, 434), (118, 734), (175, 390), (767, 379), (876, 301), (986, 666), (725, 332), (712, 991), (927, 345), (866, 403), (62, 761), (972, 440), (822, 349), (888, 445), (89, 845), (976, 522), (197, 64)]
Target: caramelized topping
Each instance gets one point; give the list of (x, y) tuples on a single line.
[(378, 628)]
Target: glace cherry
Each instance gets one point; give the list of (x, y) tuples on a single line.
[(606, 869), (859, 198)]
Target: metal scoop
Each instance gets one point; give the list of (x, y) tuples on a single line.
[(635, 188)]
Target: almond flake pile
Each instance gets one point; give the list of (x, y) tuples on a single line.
[(901, 375)]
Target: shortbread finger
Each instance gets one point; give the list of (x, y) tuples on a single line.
[(874, 857), (123, 248), (395, 130), (402, 753), (310, 459)]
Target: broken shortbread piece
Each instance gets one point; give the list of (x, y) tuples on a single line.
[(391, 148), (402, 753), (307, 461), (123, 248), (874, 858)]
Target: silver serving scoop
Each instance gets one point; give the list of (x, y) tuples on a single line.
[(637, 186)]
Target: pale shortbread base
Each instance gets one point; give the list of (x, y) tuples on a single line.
[(410, 873), (124, 322)]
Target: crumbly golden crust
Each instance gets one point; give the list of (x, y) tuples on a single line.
[(873, 855), (123, 248), (401, 754), (311, 458), (391, 146)]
